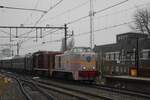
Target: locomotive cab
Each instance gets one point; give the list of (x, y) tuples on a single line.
[(79, 62)]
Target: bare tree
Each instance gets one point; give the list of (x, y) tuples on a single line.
[(142, 20), (70, 43), (63, 45)]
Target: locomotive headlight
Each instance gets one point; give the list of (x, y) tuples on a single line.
[(84, 67), (93, 67)]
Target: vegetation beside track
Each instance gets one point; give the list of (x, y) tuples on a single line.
[(4, 83)]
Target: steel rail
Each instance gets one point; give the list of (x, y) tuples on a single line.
[(84, 95), (107, 88)]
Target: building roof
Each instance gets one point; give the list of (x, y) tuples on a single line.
[(125, 41), (107, 47)]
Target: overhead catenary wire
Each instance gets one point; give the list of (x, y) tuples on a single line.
[(37, 10), (96, 12), (37, 2), (122, 11), (72, 9), (69, 10), (74, 20), (111, 6), (43, 43), (47, 12), (113, 13), (105, 28), (55, 5), (51, 32), (113, 26), (58, 40), (34, 9), (5, 32), (86, 33)]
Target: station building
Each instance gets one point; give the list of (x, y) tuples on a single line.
[(131, 49)]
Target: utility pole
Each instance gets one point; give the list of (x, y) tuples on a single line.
[(18, 47), (16, 32), (91, 14), (36, 34), (65, 37), (10, 35), (10, 40)]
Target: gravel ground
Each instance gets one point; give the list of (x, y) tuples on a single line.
[(11, 92)]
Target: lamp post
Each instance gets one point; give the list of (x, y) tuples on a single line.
[(137, 55)]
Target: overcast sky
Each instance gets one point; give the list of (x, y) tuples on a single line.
[(106, 23)]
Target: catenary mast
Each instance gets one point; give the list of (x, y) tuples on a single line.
[(91, 14)]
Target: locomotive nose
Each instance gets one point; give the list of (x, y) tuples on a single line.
[(88, 61), (87, 57)]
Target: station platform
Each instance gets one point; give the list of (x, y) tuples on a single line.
[(123, 77), (141, 84)]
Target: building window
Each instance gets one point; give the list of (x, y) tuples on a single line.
[(123, 69), (117, 69), (122, 37), (120, 69), (112, 56), (145, 54), (107, 56), (117, 56)]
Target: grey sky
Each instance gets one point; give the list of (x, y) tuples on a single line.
[(115, 16)]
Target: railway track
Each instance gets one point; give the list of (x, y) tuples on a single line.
[(98, 90), (29, 88), (83, 91), (122, 90), (81, 95), (29, 85), (117, 90)]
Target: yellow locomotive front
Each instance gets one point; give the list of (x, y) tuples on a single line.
[(87, 64), (78, 63)]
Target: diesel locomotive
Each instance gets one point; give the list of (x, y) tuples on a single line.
[(78, 64)]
